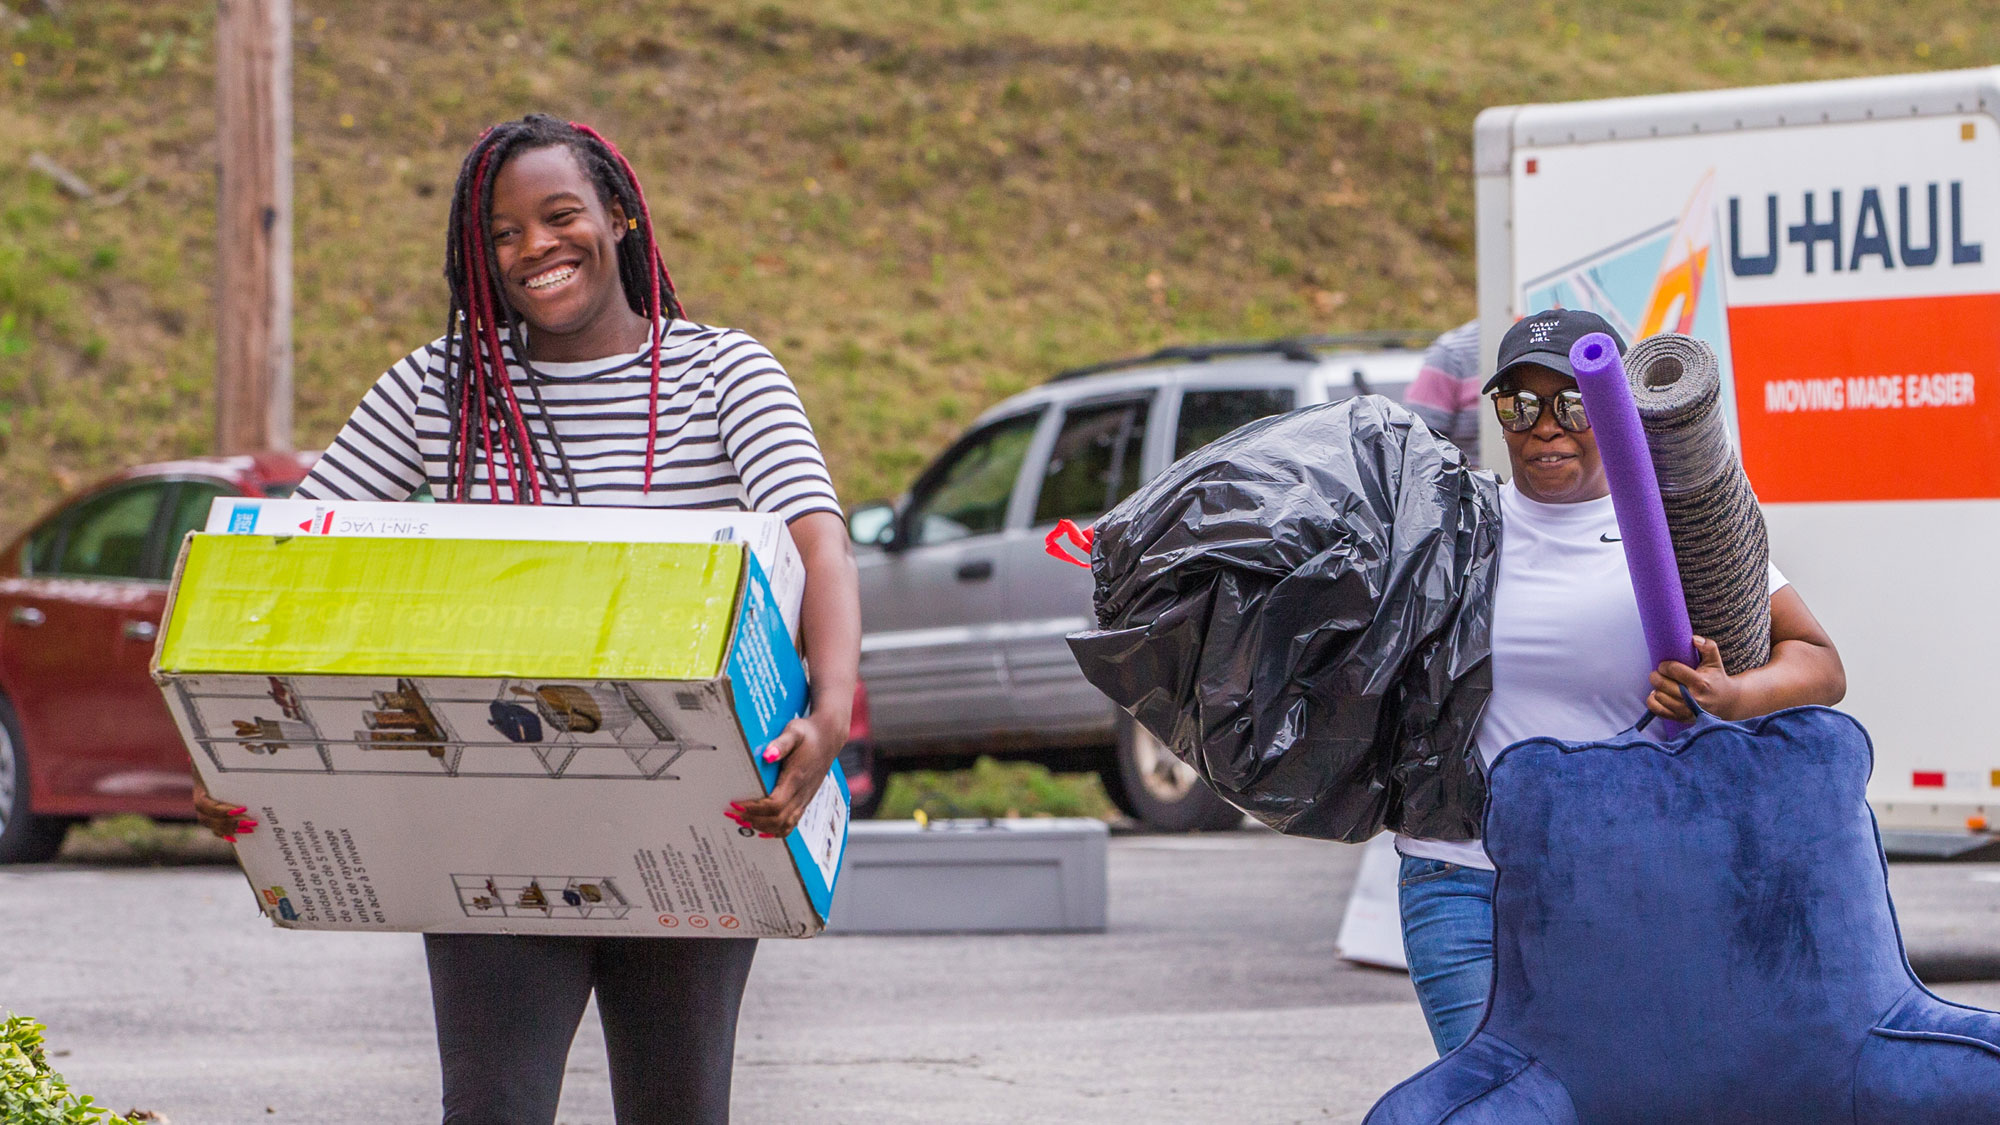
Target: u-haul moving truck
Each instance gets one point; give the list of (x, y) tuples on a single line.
[(1839, 245)]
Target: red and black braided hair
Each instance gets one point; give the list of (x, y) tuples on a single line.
[(486, 415)]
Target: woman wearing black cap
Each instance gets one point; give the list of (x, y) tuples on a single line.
[(1569, 654)]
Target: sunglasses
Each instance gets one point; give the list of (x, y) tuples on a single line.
[(1520, 410)]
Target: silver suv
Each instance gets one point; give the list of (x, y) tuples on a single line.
[(964, 613)]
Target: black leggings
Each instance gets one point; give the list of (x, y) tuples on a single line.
[(508, 1005)]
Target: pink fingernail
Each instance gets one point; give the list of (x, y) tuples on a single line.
[(765, 836), (239, 810), (770, 755), (231, 839), (248, 823)]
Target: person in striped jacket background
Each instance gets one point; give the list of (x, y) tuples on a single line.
[(1445, 393)]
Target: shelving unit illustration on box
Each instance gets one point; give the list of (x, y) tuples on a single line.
[(539, 896), (449, 727)]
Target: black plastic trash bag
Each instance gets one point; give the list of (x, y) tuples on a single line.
[(1301, 611)]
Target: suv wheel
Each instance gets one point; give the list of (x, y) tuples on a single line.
[(24, 837), (1160, 791)]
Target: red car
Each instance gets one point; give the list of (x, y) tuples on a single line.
[(83, 730)]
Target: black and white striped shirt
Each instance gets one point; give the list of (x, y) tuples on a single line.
[(732, 432)]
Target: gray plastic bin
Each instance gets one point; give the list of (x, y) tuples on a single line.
[(972, 876)]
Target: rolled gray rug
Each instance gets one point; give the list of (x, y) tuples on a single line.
[(1720, 543)]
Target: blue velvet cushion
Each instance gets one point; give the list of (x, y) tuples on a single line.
[(1700, 931)]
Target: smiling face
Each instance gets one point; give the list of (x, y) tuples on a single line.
[(557, 245), (1550, 464)]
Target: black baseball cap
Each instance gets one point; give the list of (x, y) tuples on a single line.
[(1544, 340)]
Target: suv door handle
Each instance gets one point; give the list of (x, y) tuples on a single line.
[(140, 630), (27, 615), (978, 571)]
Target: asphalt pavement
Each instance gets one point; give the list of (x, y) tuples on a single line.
[(1215, 996)]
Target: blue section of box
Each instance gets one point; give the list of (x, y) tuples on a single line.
[(766, 678), (767, 683), (818, 889), (243, 519)]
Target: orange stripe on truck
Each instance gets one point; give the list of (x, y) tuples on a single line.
[(1870, 400)]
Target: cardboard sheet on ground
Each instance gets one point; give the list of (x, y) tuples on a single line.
[(480, 735), (1371, 930)]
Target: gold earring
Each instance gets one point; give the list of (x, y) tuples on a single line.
[(632, 224)]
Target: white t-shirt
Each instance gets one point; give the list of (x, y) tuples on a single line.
[(1569, 653)]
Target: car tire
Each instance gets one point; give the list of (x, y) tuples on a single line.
[(867, 779), (24, 837), (1160, 791), (1110, 776)]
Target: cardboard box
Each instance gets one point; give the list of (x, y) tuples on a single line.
[(766, 535), (1023, 875), (1371, 931), (478, 736)]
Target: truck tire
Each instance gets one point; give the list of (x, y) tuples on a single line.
[(24, 837), (1159, 791)]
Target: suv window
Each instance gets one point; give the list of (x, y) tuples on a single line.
[(108, 534), (966, 493), (1095, 462), (1207, 415)]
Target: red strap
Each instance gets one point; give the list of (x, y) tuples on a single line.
[(1081, 536)]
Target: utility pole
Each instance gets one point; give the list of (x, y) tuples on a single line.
[(253, 243)]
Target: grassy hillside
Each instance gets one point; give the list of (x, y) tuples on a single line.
[(922, 205)]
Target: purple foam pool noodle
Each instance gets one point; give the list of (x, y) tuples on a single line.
[(1635, 497)]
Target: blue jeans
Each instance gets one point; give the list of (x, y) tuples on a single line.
[(1448, 937)]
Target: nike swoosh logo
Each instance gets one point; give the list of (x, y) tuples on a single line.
[(1607, 537)]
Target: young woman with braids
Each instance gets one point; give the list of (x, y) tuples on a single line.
[(568, 375)]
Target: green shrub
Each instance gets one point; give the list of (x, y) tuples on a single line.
[(995, 789), (33, 1094)]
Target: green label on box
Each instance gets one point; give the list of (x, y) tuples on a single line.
[(452, 607)]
